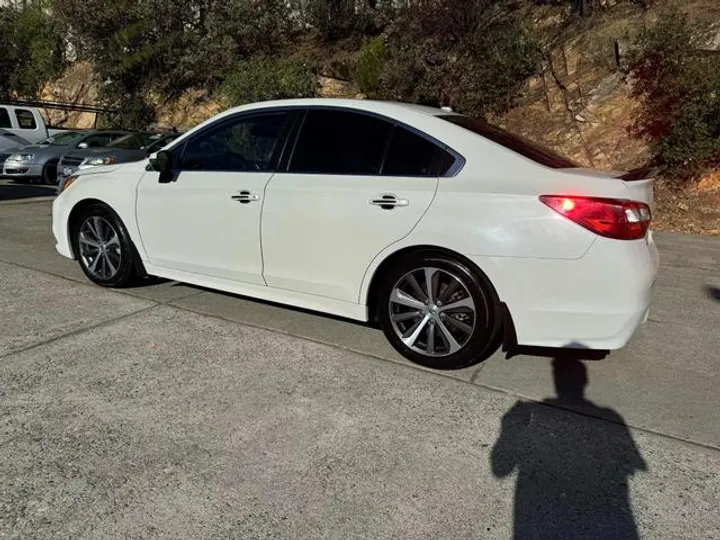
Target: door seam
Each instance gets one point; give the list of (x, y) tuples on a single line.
[(422, 216), (260, 229)]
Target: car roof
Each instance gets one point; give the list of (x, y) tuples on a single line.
[(359, 104), (386, 108)]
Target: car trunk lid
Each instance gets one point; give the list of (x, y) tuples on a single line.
[(638, 182)]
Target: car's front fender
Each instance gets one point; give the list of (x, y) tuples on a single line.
[(114, 186)]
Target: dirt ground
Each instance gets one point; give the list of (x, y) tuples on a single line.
[(695, 209)]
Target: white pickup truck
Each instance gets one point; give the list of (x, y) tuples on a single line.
[(20, 126)]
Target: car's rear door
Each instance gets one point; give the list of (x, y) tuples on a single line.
[(354, 185), (207, 220)]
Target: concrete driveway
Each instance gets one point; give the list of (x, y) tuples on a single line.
[(168, 411)]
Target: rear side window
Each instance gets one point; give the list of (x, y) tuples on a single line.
[(26, 119), (4, 118), (410, 154), (528, 149), (340, 142)]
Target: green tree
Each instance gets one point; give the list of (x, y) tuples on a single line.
[(473, 55), (677, 83), (31, 51), (164, 47), (263, 79), (370, 67)]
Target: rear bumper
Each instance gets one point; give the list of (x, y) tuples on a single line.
[(596, 302)]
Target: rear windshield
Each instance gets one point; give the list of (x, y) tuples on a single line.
[(528, 149)]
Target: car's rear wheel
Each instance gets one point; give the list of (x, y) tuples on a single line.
[(103, 248), (439, 312)]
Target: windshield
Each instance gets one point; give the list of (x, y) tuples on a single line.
[(63, 139), (528, 149), (136, 141), (165, 140)]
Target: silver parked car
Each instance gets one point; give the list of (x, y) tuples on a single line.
[(38, 162), (134, 147)]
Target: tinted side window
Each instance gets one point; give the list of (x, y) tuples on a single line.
[(524, 147), (340, 142), (409, 154), (248, 144), (4, 119), (26, 119)]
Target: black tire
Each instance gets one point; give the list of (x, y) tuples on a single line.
[(120, 254), (476, 345), (49, 174)]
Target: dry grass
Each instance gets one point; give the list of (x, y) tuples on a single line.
[(695, 209)]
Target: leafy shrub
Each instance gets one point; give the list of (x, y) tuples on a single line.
[(678, 85), (473, 55), (262, 79), (370, 67)]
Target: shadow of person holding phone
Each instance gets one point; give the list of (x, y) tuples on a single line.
[(572, 471)]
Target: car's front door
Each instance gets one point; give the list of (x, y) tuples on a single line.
[(355, 185), (207, 220)]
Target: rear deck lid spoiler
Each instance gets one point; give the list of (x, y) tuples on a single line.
[(643, 173)]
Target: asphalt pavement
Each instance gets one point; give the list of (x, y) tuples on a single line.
[(169, 411)]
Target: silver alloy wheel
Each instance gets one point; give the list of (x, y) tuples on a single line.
[(100, 249), (432, 312)]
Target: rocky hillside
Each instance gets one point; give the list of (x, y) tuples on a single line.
[(579, 102)]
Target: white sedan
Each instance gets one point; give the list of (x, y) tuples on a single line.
[(453, 235)]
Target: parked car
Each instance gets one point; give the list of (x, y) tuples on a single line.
[(453, 235), (38, 162), (132, 147)]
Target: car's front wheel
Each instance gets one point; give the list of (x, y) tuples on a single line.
[(439, 312), (49, 174), (103, 248)]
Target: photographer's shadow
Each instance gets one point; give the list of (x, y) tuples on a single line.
[(572, 471)]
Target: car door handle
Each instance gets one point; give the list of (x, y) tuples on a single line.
[(245, 197), (388, 202)]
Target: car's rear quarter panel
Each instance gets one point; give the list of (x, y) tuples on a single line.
[(560, 287)]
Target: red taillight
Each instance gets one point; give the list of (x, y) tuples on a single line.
[(611, 218)]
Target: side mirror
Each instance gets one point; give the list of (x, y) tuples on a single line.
[(162, 163), (83, 145)]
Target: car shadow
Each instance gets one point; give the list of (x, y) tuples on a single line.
[(713, 292), (571, 352), (572, 471), (14, 191), (150, 281), (287, 307)]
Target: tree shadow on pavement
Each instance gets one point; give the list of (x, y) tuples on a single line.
[(11, 192), (572, 471)]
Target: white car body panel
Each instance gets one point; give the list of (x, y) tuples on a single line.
[(330, 260), (193, 225), (315, 241)]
